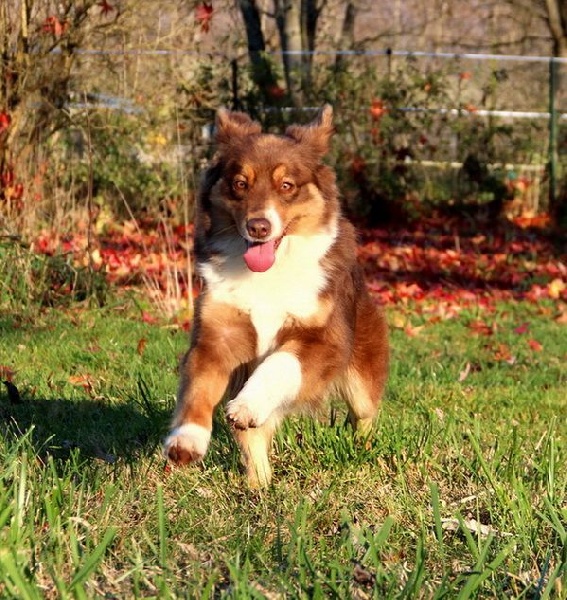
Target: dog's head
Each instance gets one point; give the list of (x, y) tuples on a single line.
[(263, 187)]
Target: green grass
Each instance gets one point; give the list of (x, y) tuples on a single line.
[(459, 493)]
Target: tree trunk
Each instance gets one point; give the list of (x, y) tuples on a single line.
[(288, 19), (346, 39), (262, 72), (557, 20), (309, 18)]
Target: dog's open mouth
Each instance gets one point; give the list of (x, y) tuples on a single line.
[(260, 256)]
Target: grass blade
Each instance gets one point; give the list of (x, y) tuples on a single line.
[(93, 560)]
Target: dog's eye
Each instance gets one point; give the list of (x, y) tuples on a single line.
[(239, 185), (287, 186)]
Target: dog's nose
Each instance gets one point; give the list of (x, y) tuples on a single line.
[(259, 228)]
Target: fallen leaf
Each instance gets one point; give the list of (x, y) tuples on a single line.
[(413, 331), (555, 288), (503, 353), (362, 575), (148, 318), (482, 328), (535, 345), (84, 381), (6, 373), (141, 346), (473, 526), (561, 318), (398, 321), (465, 372), (523, 328)]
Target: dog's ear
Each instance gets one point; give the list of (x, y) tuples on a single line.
[(318, 133), (231, 124)]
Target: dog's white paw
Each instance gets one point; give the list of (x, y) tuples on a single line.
[(187, 443), (242, 414)]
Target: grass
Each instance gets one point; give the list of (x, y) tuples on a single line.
[(459, 493)]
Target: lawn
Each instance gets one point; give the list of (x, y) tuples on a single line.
[(458, 493)]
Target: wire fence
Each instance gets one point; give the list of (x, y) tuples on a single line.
[(443, 126)]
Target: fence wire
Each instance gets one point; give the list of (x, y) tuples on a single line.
[(442, 126)]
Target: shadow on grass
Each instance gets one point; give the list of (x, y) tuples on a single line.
[(98, 429)]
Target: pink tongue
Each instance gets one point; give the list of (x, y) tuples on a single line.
[(260, 256)]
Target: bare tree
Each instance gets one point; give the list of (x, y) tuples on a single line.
[(38, 48), (297, 25)]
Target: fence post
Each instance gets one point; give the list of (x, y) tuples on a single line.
[(552, 156), (234, 84)]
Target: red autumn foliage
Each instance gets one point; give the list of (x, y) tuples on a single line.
[(437, 265), (204, 16), (377, 109), (5, 120), (105, 8), (54, 26), (276, 92)]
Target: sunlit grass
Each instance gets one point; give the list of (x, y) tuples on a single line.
[(459, 493)]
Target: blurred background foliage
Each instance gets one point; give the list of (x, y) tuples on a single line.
[(106, 106)]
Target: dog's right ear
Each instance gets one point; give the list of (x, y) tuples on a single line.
[(229, 125)]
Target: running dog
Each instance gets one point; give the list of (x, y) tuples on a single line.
[(284, 319)]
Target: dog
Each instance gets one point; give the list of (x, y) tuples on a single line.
[(284, 318)]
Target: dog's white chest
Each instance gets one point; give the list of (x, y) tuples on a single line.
[(289, 289)]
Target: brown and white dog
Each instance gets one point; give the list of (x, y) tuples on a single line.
[(284, 318)]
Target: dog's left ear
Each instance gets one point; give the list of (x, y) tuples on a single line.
[(231, 124), (318, 133)]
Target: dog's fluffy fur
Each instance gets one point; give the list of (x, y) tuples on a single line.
[(284, 318)]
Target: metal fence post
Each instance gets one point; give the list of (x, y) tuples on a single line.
[(234, 84), (552, 157)]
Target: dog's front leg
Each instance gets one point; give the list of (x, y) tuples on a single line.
[(223, 340), (203, 382), (274, 384), (258, 408)]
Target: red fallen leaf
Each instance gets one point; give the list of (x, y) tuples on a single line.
[(6, 373), (148, 318), (105, 7), (465, 75), (535, 345), (85, 381), (5, 120), (523, 328), (412, 331), (502, 353), (204, 16), (482, 328), (141, 346)]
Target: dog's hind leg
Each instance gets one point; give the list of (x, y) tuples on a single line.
[(362, 407), (363, 383), (255, 444)]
